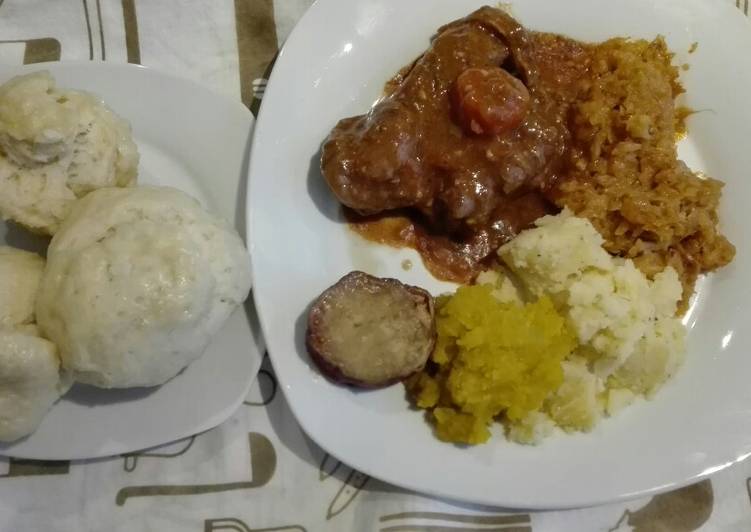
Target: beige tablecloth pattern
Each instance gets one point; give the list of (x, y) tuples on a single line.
[(258, 472)]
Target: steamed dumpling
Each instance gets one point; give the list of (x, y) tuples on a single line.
[(138, 281), (20, 272), (30, 380), (55, 146), (30, 376)]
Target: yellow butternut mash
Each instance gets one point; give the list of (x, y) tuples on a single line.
[(492, 358)]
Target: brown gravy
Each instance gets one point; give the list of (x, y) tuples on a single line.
[(445, 258)]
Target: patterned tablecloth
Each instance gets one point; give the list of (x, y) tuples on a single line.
[(258, 471)]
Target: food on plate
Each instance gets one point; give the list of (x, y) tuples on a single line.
[(30, 380), (20, 272), (594, 334), (495, 126), (624, 173), (30, 376), (370, 332), (542, 174), (629, 339), (57, 145), (492, 357), (616, 311), (138, 281)]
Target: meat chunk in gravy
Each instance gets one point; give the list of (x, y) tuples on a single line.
[(477, 122)]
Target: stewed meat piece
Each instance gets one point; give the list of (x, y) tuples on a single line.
[(461, 134)]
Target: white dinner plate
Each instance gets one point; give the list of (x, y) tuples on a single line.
[(197, 141), (334, 65)]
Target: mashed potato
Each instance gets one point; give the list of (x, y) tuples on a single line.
[(630, 341), (612, 305), (30, 379), (138, 280), (55, 146)]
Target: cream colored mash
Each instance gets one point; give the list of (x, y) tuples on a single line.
[(630, 341)]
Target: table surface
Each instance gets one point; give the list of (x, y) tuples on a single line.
[(258, 471)]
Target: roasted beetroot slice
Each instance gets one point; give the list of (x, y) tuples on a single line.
[(371, 332)]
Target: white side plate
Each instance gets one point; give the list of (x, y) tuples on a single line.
[(197, 141)]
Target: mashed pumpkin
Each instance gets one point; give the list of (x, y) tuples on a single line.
[(491, 358)]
